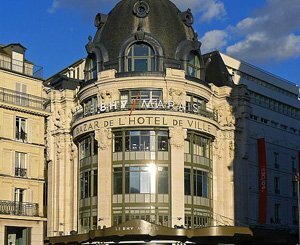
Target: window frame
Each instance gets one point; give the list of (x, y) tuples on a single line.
[(130, 58)]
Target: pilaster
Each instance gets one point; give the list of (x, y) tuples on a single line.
[(104, 138), (177, 137)]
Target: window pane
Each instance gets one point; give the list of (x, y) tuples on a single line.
[(117, 181), (163, 181), (187, 181), (141, 64), (141, 50), (134, 182), (145, 182)]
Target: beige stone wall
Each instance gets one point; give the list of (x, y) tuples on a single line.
[(33, 148), (9, 79), (36, 226)]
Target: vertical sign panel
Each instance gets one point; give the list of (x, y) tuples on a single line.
[(262, 177)]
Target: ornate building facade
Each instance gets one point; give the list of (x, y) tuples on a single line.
[(156, 144), (22, 127)]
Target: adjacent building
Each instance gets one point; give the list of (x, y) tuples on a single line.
[(22, 147)]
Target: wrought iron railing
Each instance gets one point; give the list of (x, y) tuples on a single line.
[(21, 67), (21, 136), (22, 99), (21, 172), (19, 208)]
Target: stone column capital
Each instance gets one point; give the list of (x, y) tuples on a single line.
[(177, 136), (103, 136)]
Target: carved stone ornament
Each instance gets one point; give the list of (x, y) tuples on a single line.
[(225, 115), (106, 97), (187, 17), (176, 96), (104, 137), (177, 136), (140, 34), (141, 9)]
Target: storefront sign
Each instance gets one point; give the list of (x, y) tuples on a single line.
[(262, 175), (155, 121), (142, 105)]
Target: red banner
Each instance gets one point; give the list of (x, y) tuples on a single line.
[(262, 176)]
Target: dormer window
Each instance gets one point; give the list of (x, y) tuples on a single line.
[(193, 65), (140, 58), (91, 68)]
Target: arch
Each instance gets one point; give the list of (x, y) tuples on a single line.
[(146, 40), (140, 58), (189, 53)]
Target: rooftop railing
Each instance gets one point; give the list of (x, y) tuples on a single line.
[(26, 68), (22, 99), (19, 208)]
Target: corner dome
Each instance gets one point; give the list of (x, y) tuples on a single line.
[(158, 23)]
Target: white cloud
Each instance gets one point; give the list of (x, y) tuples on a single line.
[(259, 47), (207, 9), (214, 40), (269, 35)]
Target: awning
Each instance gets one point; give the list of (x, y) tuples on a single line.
[(141, 230)]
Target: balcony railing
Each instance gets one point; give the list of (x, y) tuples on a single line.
[(19, 208), (21, 136), (22, 67), (22, 99), (21, 172)]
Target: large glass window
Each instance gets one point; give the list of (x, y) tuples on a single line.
[(195, 104), (85, 181), (140, 141), (21, 132), (163, 180), (140, 57), (187, 181), (91, 68), (85, 148), (200, 183), (117, 180), (140, 96), (201, 146), (20, 164), (193, 65), (140, 179), (90, 106)]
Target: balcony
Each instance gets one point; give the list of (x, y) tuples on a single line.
[(19, 208), (21, 172), (22, 99), (25, 68)]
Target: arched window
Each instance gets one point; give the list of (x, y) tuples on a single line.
[(140, 57), (91, 68), (193, 65)]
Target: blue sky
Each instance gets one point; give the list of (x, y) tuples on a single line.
[(265, 33)]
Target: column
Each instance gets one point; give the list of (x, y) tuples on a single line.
[(177, 137), (104, 138)]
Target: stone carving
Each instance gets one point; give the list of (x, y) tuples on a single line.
[(104, 138), (225, 115), (72, 151), (177, 136), (218, 145), (176, 96)]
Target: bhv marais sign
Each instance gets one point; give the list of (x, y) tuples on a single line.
[(142, 105), (145, 120)]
